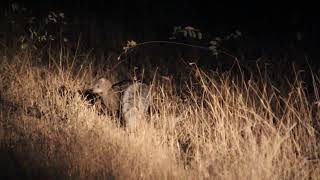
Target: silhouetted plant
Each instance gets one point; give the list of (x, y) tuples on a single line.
[(188, 32), (34, 32)]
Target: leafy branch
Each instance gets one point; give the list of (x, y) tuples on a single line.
[(188, 32)]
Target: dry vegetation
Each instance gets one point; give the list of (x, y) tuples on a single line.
[(217, 127)]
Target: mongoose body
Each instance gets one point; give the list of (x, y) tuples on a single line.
[(135, 103)]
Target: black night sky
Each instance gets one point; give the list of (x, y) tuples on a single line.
[(267, 25), (251, 16)]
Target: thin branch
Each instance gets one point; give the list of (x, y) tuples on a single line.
[(170, 42)]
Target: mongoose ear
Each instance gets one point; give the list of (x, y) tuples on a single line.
[(105, 82), (102, 80)]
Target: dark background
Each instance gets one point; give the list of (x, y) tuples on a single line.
[(252, 17), (268, 28)]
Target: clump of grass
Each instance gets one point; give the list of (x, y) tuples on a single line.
[(217, 127)]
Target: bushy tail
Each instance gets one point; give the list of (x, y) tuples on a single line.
[(135, 103)]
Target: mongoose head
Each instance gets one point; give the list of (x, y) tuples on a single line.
[(102, 85)]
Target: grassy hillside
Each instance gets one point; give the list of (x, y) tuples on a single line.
[(203, 124)]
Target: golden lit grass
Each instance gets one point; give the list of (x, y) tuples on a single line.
[(222, 128)]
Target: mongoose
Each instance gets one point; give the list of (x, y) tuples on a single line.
[(131, 99)]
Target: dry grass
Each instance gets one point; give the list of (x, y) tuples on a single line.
[(222, 129)]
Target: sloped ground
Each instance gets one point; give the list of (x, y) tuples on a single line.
[(219, 127)]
